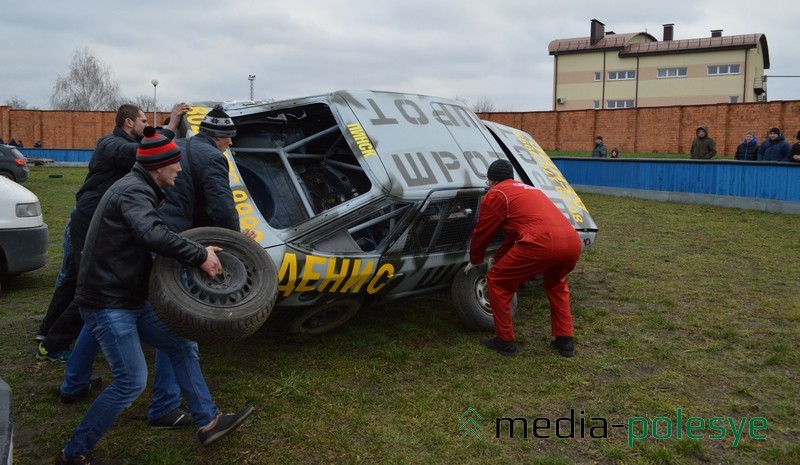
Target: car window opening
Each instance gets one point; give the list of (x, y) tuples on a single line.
[(296, 167)]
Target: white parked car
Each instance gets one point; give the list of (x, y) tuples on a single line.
[(23, 232)]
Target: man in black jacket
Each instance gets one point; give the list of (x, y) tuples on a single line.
[(112, 159), (201, 197), (112, 295)]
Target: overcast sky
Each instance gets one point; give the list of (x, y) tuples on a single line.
[(493, 50)]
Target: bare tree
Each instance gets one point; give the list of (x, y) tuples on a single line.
[(147, 104), (87, 86), (17, 103), (483, 105)]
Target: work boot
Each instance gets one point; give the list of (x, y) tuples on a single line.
[(500, 346), (564, 344)]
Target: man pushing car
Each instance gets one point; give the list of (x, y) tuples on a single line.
[(539, 240)]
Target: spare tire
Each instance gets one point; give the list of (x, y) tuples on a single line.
[(471, 299), (231, 306)]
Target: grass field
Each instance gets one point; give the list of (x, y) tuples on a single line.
[(686, 317)]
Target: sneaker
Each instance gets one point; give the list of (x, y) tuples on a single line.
[(176, 419), (500, 346), (223, 424), (60, 356), (94, 383), (564, 344), (78, 460)]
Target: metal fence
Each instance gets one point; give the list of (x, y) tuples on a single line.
[(767, 186)]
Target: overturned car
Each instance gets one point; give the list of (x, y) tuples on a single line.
[(358, 198)]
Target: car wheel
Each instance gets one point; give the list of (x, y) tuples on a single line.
[(7, 175), (232, 306), (320, 318), (471, 298)]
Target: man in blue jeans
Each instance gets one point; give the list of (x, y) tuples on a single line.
[(201, 197), (112, 296)]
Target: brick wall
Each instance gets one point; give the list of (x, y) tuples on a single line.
[(638, 130), (58, 129), (656, 129)]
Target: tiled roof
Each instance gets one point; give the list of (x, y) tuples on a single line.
[(581, 44), (741, 41), (652, 46)]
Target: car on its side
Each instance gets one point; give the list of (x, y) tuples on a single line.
[(360, 198), (13, 164), (23, 232)]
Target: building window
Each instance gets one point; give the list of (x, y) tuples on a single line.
[(621, 75), (672, 72), (619, 104), (597, 75), (597, 104), (733, 99), (723, 69)]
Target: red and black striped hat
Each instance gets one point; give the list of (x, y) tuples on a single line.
[(156, 151)]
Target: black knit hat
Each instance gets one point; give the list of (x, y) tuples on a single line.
[(156, 151), (776, 131), (500, 170), (217, 123)]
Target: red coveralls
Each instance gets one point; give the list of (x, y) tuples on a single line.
[(538, 239)]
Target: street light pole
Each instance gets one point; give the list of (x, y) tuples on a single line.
[(154, 81), (251, 78)]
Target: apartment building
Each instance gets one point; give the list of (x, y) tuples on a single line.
[(607, 70)]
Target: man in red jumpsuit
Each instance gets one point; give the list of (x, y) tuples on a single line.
[(539, 240)]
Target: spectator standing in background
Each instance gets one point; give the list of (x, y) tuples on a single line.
[(599, 148), (703, 147), (615, 153), (747, 150), (796, 148), (775, 148)]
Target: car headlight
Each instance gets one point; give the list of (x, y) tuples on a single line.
[(25, 210)]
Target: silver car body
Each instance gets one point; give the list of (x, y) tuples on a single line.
[(372, 196)]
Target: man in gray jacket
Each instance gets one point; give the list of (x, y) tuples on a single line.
[(703, 147)]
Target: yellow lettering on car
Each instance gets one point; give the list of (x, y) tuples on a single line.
[(358, 277), (287, 274), (362, 140), (573, 203), (245, 209), (195, 116), (376, 284), (310, 274), (331, 274), (332, 277)]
